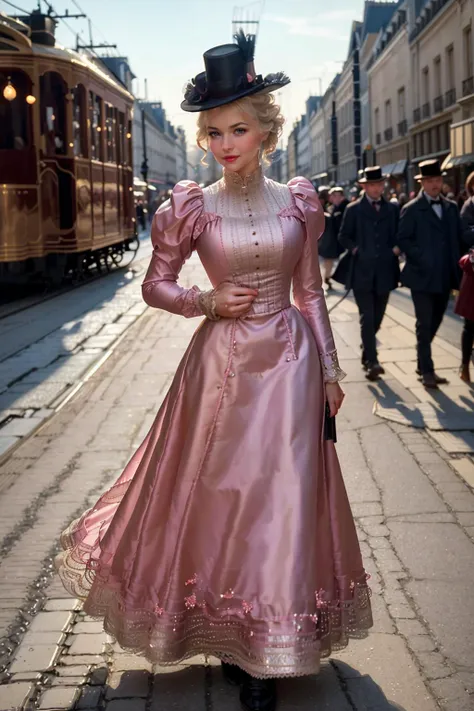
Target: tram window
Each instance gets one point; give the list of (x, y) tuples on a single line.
[(95, 117), (53, 113), (79, 121), (110, 133), (129, 144), (120, 137), (15, 116)]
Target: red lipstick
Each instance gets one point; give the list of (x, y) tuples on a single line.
[(230, 159)]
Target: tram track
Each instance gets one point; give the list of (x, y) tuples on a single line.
[(13, 307)]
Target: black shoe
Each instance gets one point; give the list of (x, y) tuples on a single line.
[(232, 674), (258, 694), (374, 371), (428, 380), (437, 378)]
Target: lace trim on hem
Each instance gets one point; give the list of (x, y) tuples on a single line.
[(288, 646)]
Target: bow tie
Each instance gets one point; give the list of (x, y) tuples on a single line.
[(376, 203), (435, 202)]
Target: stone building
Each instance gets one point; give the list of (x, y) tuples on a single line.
[(352, 94), (436, 70), (391, 99), (149, 122)]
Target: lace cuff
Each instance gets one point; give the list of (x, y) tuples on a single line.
[(207, 302), (333, 373)]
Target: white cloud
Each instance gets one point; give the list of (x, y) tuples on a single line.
[(308, 26)]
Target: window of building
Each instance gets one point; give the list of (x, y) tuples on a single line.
[(401, 104), (467, 42), (377, 120), (437, 76), (450, 78), (388, 114), (15, 116), (79, 121), (426, 85)]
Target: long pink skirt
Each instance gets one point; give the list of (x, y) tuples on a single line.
[(229, 533)]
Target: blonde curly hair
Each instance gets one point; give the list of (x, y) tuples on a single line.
[(261, 107)]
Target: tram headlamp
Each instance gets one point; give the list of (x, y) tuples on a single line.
[(9, 91)]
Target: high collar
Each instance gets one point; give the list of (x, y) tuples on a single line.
[(252, 181)]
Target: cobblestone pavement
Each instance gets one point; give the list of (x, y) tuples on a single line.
[(412, 496)]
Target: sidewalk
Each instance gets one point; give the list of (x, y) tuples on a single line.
[(412, 495)]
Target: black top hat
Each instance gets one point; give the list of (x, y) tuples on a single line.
[(373, 175), (429, 169), (229, 75)]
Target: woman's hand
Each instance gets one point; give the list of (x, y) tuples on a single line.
[(233, 301), (334, 395)]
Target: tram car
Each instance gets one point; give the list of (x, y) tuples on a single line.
[(66, 176)]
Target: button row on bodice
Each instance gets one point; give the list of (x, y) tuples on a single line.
[(247, 201)]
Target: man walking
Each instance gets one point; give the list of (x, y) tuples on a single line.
[(368, 232), (329, 248), (430, 236)]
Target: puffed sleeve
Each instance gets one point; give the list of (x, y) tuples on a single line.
[(172, 234), (307, 282)]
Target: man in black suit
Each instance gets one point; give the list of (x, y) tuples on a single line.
[(329, 248), (430, 236), (368, 232)]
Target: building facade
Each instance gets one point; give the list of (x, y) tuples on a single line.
[(391, 100), (154, 138)]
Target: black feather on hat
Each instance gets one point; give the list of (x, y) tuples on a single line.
[(230, 75)]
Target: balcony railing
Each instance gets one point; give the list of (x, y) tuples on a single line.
[(417, 116), (438, 104), (388, 134), (450, 98), (378, 139), (403, 128), (425, 110), (468, 86)]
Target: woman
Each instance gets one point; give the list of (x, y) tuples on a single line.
[(465, 308), (467, 213), (229, 533)]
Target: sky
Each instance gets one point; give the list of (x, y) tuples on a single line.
[(165, 40)]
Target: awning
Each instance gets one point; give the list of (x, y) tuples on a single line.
[(388, 169), (463, 160), (400, 167), (447, 163)]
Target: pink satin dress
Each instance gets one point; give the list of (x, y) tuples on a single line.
[(230, 532)]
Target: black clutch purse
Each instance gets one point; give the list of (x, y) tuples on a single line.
[(329, 425)]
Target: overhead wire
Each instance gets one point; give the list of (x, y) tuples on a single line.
[(20, 9)]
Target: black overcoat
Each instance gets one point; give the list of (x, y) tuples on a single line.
[(375, 267), (432, 246)]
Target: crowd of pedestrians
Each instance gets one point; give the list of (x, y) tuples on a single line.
[(373, 242)]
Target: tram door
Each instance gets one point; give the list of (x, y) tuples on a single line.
[(57, 177)]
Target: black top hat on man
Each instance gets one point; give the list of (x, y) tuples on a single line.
[(230, 75), (429, 169), (373, 175)]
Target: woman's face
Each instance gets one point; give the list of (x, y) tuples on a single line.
[(234, 138)]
